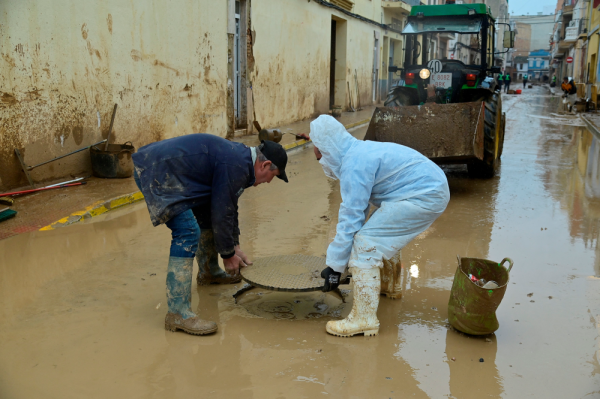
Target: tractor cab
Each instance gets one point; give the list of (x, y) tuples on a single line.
[(451, 47), (446, 105)]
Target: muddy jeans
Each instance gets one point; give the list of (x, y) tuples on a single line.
[(185, 232)]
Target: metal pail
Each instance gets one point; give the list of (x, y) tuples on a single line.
[(472, 309), (116, 162), (270, 135)]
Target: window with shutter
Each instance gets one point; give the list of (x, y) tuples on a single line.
[(345, 4)]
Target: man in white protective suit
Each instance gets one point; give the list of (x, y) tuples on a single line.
[(410, 191)]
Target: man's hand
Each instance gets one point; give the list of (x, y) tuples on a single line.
[(242, 255), (233, 265), (332, 279)]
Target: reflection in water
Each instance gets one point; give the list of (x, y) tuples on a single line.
[(588, 191), (575, 184), (414, 271), (470, 377)]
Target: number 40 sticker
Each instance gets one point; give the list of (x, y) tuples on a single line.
[(435, 66)]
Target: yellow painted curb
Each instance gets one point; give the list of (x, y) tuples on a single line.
[(295, 144), (351, 125), (96, 209)]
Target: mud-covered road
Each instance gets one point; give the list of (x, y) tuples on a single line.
[(82, 307)]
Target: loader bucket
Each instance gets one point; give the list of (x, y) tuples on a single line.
[(445, 133)]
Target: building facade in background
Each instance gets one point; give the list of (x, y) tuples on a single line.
[(540, 29), (521, 66), (539, 65), (181, 67), (533, 35), (574, 45)]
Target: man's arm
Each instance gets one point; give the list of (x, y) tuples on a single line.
[(224, 210), (356, 186), (236, 227)]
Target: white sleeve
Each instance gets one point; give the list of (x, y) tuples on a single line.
[(356, 186)]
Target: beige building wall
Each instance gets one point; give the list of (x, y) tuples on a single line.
[(167, 65), (522, 40), (540, 27), (65, 63), (291, 76)]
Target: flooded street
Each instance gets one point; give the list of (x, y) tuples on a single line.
[(83, 307)]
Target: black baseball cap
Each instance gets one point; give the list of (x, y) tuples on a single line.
[(275, 153)]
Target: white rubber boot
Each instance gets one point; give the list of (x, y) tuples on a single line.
[(363, 316)]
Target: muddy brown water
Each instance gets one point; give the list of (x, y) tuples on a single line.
[(82, 307)]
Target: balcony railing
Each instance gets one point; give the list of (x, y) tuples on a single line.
[(571, 33)]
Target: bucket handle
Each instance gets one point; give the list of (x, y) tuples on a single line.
[(510, 263), (125, 143)]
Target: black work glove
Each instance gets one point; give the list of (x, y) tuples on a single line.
[(332, 279)]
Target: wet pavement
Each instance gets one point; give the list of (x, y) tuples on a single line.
[(82, 307)]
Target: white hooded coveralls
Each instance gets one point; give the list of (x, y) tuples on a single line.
[(409, 190)]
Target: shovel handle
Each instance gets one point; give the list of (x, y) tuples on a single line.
[(112, 120), (510, 263)]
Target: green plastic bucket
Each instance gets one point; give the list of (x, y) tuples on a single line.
[(472, 309)]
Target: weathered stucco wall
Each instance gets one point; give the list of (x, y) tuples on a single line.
[(361, 42), (64, 64), (292, 52)]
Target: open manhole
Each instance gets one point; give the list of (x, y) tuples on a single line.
[(279, 305)]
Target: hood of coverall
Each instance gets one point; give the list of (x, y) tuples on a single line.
[(333, 141)]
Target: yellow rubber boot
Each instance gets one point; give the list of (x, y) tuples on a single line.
[(363, 316)]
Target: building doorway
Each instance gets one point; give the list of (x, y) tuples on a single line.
[(337, 72), (332, 66), (240, 103)]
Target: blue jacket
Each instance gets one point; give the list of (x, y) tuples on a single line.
[(202, 172)]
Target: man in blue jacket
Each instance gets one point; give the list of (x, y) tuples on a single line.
[(409, 191), (192, 184)]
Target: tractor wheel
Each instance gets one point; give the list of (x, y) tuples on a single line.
[(493, 130), (501, 143), (397, 100)]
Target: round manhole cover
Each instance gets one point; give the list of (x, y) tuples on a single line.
[(295, 273)]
